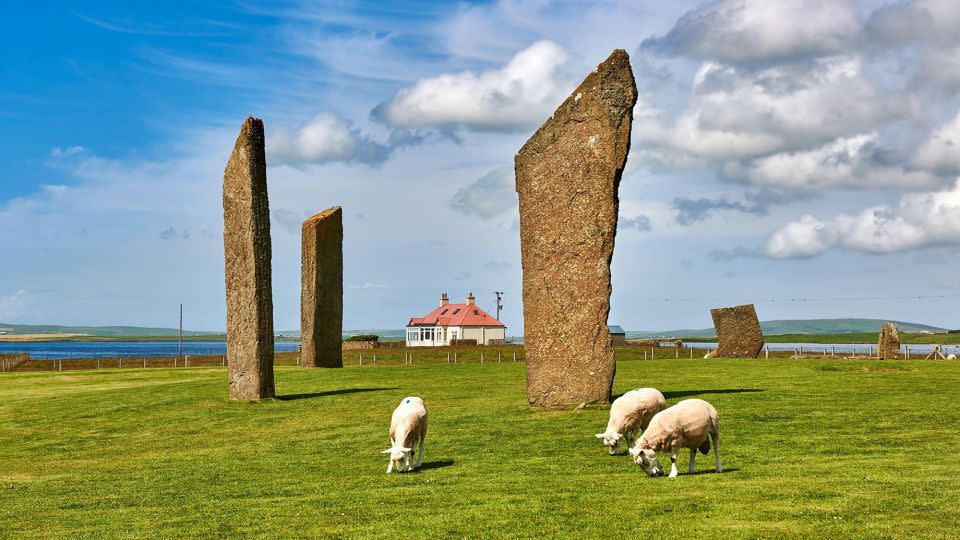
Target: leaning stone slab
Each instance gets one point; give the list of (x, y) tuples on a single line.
[(247, 251), (321, 290), (567, 178), (738, 332), (888, 346)]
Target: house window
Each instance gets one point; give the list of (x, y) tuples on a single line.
[(413, 335), (444, 312), (456, 311)]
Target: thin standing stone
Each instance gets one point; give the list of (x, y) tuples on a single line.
[(247, 253), (321, 291)]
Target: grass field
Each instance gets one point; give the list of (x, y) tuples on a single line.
[(855, 337), (825, 449)]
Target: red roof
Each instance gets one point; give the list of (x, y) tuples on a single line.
[(456, 315)]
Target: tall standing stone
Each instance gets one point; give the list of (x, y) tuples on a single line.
[(321, 291), (568, 177), (888, 346), (739, 334), (247, 250)]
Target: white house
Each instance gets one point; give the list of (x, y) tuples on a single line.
[(454, 321)]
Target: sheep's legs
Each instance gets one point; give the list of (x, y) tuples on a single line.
[(716, 449), (693, 458), (673, 463), (420, 453)]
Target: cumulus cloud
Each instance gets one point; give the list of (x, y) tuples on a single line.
[(518, 96), (941, 150), (858, 162), (13, 305), (902, 23), (638, 223), (491, 195), (750, 31), (325, 138), (693, 210), (920, 220)]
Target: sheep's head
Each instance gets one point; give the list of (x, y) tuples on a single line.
[(398, 455), (612, 441), (647, 460)]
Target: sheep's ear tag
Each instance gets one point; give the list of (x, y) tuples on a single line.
[(407, 401)]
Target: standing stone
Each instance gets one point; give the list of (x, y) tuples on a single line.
[(568, 177), (247, 250), (321, 291), (738, 332), (888, 346)]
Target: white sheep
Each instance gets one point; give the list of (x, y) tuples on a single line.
[(408, 428), (629, 414), (688, 424)]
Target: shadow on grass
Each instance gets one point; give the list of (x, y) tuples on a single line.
[(341, 392), (688, 393), (710, 471), (435, 465)]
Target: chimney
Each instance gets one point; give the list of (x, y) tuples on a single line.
[(443, 300), (471, 300)]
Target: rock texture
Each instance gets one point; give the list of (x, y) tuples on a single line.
[(568, 177), (321, 291), (247, 250), (738, 332), (888, 346)]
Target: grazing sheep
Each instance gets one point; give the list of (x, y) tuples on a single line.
[(408, 427), (688, 424), (629, 414)]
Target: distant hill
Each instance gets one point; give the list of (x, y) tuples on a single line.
[(139, 331), (808, 326), (99, 331)]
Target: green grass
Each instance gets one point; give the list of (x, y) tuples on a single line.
[(824, 449), (854, 337)]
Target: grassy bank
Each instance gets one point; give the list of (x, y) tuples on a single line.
[(839, 449), (855, 338)]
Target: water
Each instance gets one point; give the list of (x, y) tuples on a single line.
[(841, 348), (50, 350)]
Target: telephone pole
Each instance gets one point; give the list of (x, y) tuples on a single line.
[(499, 305), (180, 344)]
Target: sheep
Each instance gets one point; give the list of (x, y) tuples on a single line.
[(408, 427), (685, 425), (629, 414)]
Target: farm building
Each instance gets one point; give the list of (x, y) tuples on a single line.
[(618, 336), (451, 322)]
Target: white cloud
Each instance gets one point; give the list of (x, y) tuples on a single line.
[(901, 23), (762, 30), (488, 197), (13, 305), (920, 220), (737, 113), (941, 150), (856, 161), (325, 138), (518, 96)]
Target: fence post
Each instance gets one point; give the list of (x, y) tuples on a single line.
[(514, 356), (448, 357), (499, 353), (691, 353), (677, 353), (361, 359), (374, 358), (454, 357), (223, 360), (801, 351), (121, 362), (481, 357), (766, 352)]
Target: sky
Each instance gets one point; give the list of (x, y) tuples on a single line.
[(798, 155)]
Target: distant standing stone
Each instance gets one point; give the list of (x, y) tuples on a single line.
[(738, 332), (568, 177), (247, 250), (888, 346), (321, 291)]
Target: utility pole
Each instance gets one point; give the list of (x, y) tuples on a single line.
[(499, 305), (180, 344)]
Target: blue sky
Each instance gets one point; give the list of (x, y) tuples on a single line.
[(798, 155)]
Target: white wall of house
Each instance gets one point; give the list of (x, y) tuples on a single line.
[(437, 336)]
